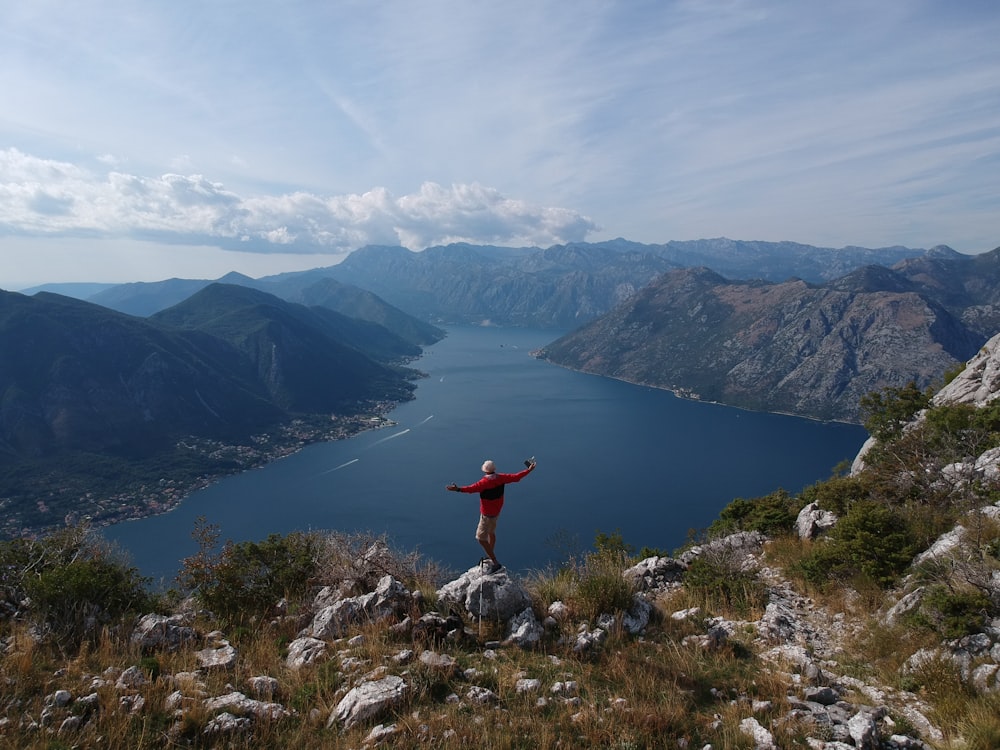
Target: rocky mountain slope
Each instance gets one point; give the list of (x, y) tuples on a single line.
[(790, 347)]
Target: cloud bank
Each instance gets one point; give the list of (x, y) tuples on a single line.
[(56, 198)]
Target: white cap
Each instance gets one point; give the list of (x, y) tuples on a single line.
[(489, 467)]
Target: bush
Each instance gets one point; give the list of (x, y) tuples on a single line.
[(871, 541), (720, 586), (600, 586), (886, 412), (837, 494), (75, 584), (770, 514), (954, 614), (245, 580)]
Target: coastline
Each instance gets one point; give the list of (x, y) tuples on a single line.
[(148, 499), (689, 395)]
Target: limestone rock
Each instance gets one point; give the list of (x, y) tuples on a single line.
[(482, 696), (161, 632), (524, 629), (226, 723), (864, 731), (263, 686), (813, 521), (368, 700), (763, 739), (489, 596), (303, 651), (389, 598), (243, 705), (132, 678), (219, 657), (979, 382), (439, 662), (655, 574)]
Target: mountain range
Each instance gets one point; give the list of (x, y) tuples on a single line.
[(563, 286), (807, 349), (773, 326)]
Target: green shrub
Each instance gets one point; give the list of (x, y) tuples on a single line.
[(599, 585), (770, 514), (837, 494), (245, 580), (871, 541), (954, 614), (886, 412), (75, 583)]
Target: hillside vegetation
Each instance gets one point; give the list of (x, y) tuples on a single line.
[(862, 613)]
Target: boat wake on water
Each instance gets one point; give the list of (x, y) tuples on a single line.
[(338, 468), (391, 437), (377, 442)]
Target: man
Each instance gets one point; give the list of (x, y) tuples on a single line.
[(490, 489)]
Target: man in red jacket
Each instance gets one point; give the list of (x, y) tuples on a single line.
[(490, 489)]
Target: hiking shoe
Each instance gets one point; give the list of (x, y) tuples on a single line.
[(495, 568)]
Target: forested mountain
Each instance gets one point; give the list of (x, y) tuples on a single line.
[(309, 288), (102, 405), (306, 360)]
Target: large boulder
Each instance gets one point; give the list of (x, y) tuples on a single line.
[(979, 382), (303, 651), (238, 703), (488, 596), (368, 700)]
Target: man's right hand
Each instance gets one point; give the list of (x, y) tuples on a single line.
[(452, 487)]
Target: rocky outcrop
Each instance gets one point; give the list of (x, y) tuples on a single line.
[(979, 382), (486, 596)]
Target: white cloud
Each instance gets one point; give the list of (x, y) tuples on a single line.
[(48, 197)]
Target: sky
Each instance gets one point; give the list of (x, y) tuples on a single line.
[(181, 138)]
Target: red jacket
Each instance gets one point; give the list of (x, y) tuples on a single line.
[(490, 489)]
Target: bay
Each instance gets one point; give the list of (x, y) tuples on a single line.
[(612, 457)]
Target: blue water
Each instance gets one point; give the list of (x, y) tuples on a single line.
[(611, 457)]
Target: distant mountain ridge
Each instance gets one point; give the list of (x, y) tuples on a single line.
[(562, 286), (565, 286)]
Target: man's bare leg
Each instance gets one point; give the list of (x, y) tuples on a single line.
[(488, 543)]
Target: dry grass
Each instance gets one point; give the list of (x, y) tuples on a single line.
[(630, 693), (633, 693)]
